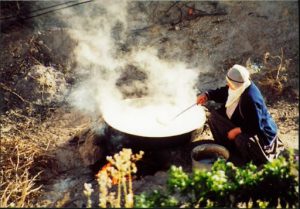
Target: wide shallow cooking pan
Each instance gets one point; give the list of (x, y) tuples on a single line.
[(138, 121)]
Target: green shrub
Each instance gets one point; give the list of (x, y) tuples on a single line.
[(272, 185)]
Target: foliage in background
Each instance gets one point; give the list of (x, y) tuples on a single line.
[(117, 172), (273, 185)]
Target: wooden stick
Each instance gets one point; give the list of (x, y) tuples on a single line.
[(17, 95), (14, 93), (280, 65)]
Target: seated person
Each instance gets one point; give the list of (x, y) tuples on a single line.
[(243, 123)]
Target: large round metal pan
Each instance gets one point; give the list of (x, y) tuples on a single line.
[(153, 122)]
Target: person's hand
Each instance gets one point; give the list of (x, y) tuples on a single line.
[(202, 99), (232, 134)]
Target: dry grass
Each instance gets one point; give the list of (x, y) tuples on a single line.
[(274, 78), (23, 157)]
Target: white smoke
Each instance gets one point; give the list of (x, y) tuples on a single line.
[(99, 60), (168, 81)]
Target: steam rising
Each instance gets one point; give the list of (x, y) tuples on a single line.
[(100, 28)]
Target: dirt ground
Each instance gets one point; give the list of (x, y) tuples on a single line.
[(264, 36)]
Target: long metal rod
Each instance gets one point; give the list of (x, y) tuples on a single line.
[(183, 111)]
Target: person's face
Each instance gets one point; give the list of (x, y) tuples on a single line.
[(230, 85)]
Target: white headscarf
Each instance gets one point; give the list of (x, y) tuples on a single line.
[(239, 77)]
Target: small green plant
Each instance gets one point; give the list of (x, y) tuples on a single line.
[(273, 185)]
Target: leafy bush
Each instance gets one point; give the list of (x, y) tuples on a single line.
[(272, 185)]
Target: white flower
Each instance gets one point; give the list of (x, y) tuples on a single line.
[(88, 189)]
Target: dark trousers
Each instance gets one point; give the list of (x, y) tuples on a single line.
[(248, 148)]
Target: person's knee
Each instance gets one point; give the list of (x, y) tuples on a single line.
[(241, 141), (212, 116), (249, 149)]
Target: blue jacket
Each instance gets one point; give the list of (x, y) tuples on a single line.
[(251, 114)]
